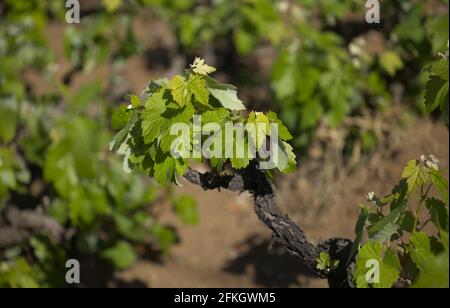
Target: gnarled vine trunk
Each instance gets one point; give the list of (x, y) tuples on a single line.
[(285, 231)]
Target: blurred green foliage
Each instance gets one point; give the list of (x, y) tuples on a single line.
[(329, 65), (58, 142)]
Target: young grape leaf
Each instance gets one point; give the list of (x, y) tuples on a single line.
[(369, 256), (152, 119), (436, 91), (420, 249), (156, 85), (440, 182), (292, 162), (407, 222), (180, 90), (415, 175), (435, 273), (383, 229), (228, 98), (241, 162), (258, 127), (214, 84), (135, 101), (325, 263), (283, 132), (215, 116), (201, 68), (440, 69), (165, 170), (359, 229), (439, 213), (120, 118), (122, 135), (171, 117), (286, 158), (197, 85)]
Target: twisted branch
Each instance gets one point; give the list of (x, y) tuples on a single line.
[(285, 231)]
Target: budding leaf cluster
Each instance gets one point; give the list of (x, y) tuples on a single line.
[(146, 141)]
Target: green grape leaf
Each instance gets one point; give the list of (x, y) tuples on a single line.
[(120, 118), (435, 273), (165, 170), (324, 262), (152, 119), (407, 222), (122, 135), (218, 116), (180, 90), (181, 166), (415, 175), (283, 132), (440, 182), (359, 229), (440, 69), (235, 143), (135, 101), (214, 84), (436, 91), (438, 213), (385, 233), (156, 85), (420, 249), (201, 68), (197, 85), (239, 163), (146, 146), (286, 158), (173, 116), (370, 257), (228, 98), (383, 229), (258, 127)]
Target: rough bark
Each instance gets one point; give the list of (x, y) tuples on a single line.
[(285, 231)]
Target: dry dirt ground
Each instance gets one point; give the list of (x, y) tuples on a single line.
[(229, 246)]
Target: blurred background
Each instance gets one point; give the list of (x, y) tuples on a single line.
[(351, 93)]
